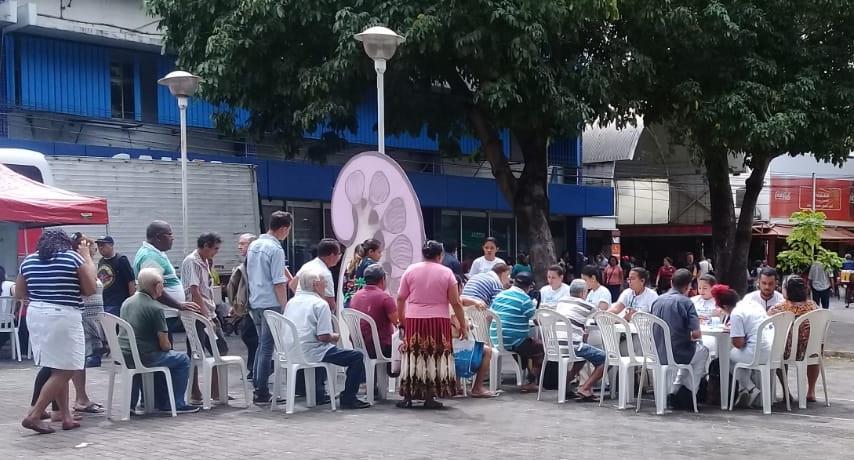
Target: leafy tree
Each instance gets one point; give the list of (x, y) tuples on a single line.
[(540, 69), (805, 245), (744, 78)]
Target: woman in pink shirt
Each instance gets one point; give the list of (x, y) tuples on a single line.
[(427, 360)]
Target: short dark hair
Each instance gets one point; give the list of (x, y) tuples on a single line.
[(708, 279), (281, 219), (681, 279), (451, 246), (768, 272), (500, 268), (522, 259), (432, 249), (592, 271), (156, 228), (371, 244), (795, 288), (557, 269), (208, 240), (490, 239), (641, 272), (328, 247)]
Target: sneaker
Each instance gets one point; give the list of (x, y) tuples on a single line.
[(266, 399), (186, 409), (355, 404)]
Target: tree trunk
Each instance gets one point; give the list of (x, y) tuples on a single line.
[(527, 194)]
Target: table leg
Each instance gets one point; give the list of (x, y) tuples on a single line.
[(723, 361)]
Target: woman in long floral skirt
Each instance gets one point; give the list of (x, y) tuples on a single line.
[(427, 360)]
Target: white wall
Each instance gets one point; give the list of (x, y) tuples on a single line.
[(128, 14)]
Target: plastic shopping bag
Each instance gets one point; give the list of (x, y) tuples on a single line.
[(468, 355), (396, 344)]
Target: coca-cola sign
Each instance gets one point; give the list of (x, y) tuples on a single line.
[(831, 196)]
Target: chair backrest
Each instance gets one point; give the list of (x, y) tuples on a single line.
[(353, 319), (113, 326), (774, 329), (646, 323), (819, 324), (556, 333), (607, 323), (480, 321), (7, 313), (189, 319), (499, 332), (285, 337)]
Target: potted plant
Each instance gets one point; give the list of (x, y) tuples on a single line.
[(805, 246)]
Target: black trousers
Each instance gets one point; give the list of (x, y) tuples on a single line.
[(250, 338)]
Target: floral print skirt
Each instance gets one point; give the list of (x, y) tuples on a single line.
[(427, 360)]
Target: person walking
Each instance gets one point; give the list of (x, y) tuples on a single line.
[(238, 295), (613, 277), (116, 274)]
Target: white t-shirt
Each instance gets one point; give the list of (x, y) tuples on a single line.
[(481, 265), (6, 288), (638, 302), (549, 296), (705, 307), (744, 321), (756, 297), (312, 317), (598, 295), (319, 265), (704, 267)]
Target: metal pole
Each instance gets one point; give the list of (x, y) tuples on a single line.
[(185, 220), (379, 66), (813, 192)]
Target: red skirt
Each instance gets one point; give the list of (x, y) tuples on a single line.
[(427, 360)]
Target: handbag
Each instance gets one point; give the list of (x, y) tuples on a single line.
[(468, 356)]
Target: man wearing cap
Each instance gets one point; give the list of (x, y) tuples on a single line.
[(373, 301), (116, 274), (515, 309)]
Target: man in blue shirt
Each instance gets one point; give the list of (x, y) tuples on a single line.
[(483, 287), (515, 309), (267, 284), (848, 263), (677, 310)]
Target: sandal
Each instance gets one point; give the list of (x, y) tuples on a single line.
[(40, 428), (91, 408), (405, 404), (586, 398), (433, 405), (485, 395)]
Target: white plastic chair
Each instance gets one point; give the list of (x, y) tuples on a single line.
[(481, 320), (819, 322), (7, 325), (376, 370), (556, 333), (112, 326), (200, 360), (607, 323), (293, 361), (766, 362), (661, 373)]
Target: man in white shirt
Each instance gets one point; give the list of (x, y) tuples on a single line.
[(556, 289), (597, 294), (328, 255), (637, 297), (313, 319), (578, 311), (704, 267), (767, 294)]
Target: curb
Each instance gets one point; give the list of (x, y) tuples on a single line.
[(839, 354)]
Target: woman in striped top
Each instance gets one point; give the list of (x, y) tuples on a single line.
[(54, 279)]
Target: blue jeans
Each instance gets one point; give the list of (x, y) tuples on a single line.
[(592, 354), (264, 355), (179, 366), (354, 361)]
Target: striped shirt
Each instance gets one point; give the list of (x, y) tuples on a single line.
[(54, 281), (515, 309), (484, 286)]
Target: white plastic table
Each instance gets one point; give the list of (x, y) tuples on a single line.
[(721, 336)]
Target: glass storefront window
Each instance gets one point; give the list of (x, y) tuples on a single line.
[(305, 234), (503, 228), (449, 227), (475, 229)]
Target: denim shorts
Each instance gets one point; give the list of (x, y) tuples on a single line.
[(590, 353)]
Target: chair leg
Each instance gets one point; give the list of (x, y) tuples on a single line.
[(291, 389), (540, 386), (194, 371), (786, 388), (222, 382), (694, 387), (640, 387), (382, 380), (148, 391), (624, 387), (823, 381), (331, 385), (127, 389), (246, 393), (612, 379), (168, 376), (16, 345), (732, 387), (206, 386), (370, 380), (311, 383), (602, 386), (765, 375), (518, 366), (801, 378), (494, 375), (561, 380), (110, 389), (277, 384)]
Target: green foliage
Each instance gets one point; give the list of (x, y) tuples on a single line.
[(805, 245)]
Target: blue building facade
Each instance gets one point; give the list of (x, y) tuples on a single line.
[(68, 97)]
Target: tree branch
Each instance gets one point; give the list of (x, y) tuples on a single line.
[(493, 150)]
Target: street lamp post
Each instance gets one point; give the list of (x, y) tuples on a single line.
[(380, 44), (182, 85)]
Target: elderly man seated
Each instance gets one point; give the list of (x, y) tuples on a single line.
[(145, 315), (578, 311), (311, 314)]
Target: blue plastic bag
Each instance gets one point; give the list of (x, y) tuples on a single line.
[(468, 356)]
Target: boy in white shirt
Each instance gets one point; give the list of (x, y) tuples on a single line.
[(556, 289)]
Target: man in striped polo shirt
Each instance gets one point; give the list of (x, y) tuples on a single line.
[(483, 287), (515, 309)]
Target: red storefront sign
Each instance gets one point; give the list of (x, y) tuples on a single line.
[(832, 197)]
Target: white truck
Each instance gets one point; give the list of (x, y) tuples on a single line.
[(222, 198)]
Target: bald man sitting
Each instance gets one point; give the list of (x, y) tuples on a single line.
[(145, 315)]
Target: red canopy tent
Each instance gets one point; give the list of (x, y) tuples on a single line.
[(33, 204)]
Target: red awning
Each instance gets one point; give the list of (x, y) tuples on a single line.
[(665, 230), (830, 234), (33, 204)]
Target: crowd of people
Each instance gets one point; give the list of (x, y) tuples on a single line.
[(65, 291)]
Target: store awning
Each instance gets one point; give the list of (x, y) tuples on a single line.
[(665, 230), (831, 234)]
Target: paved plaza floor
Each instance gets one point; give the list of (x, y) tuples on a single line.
[(513, 425)]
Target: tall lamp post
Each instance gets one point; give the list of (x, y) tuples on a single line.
[(380, 44), (182, 85)]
